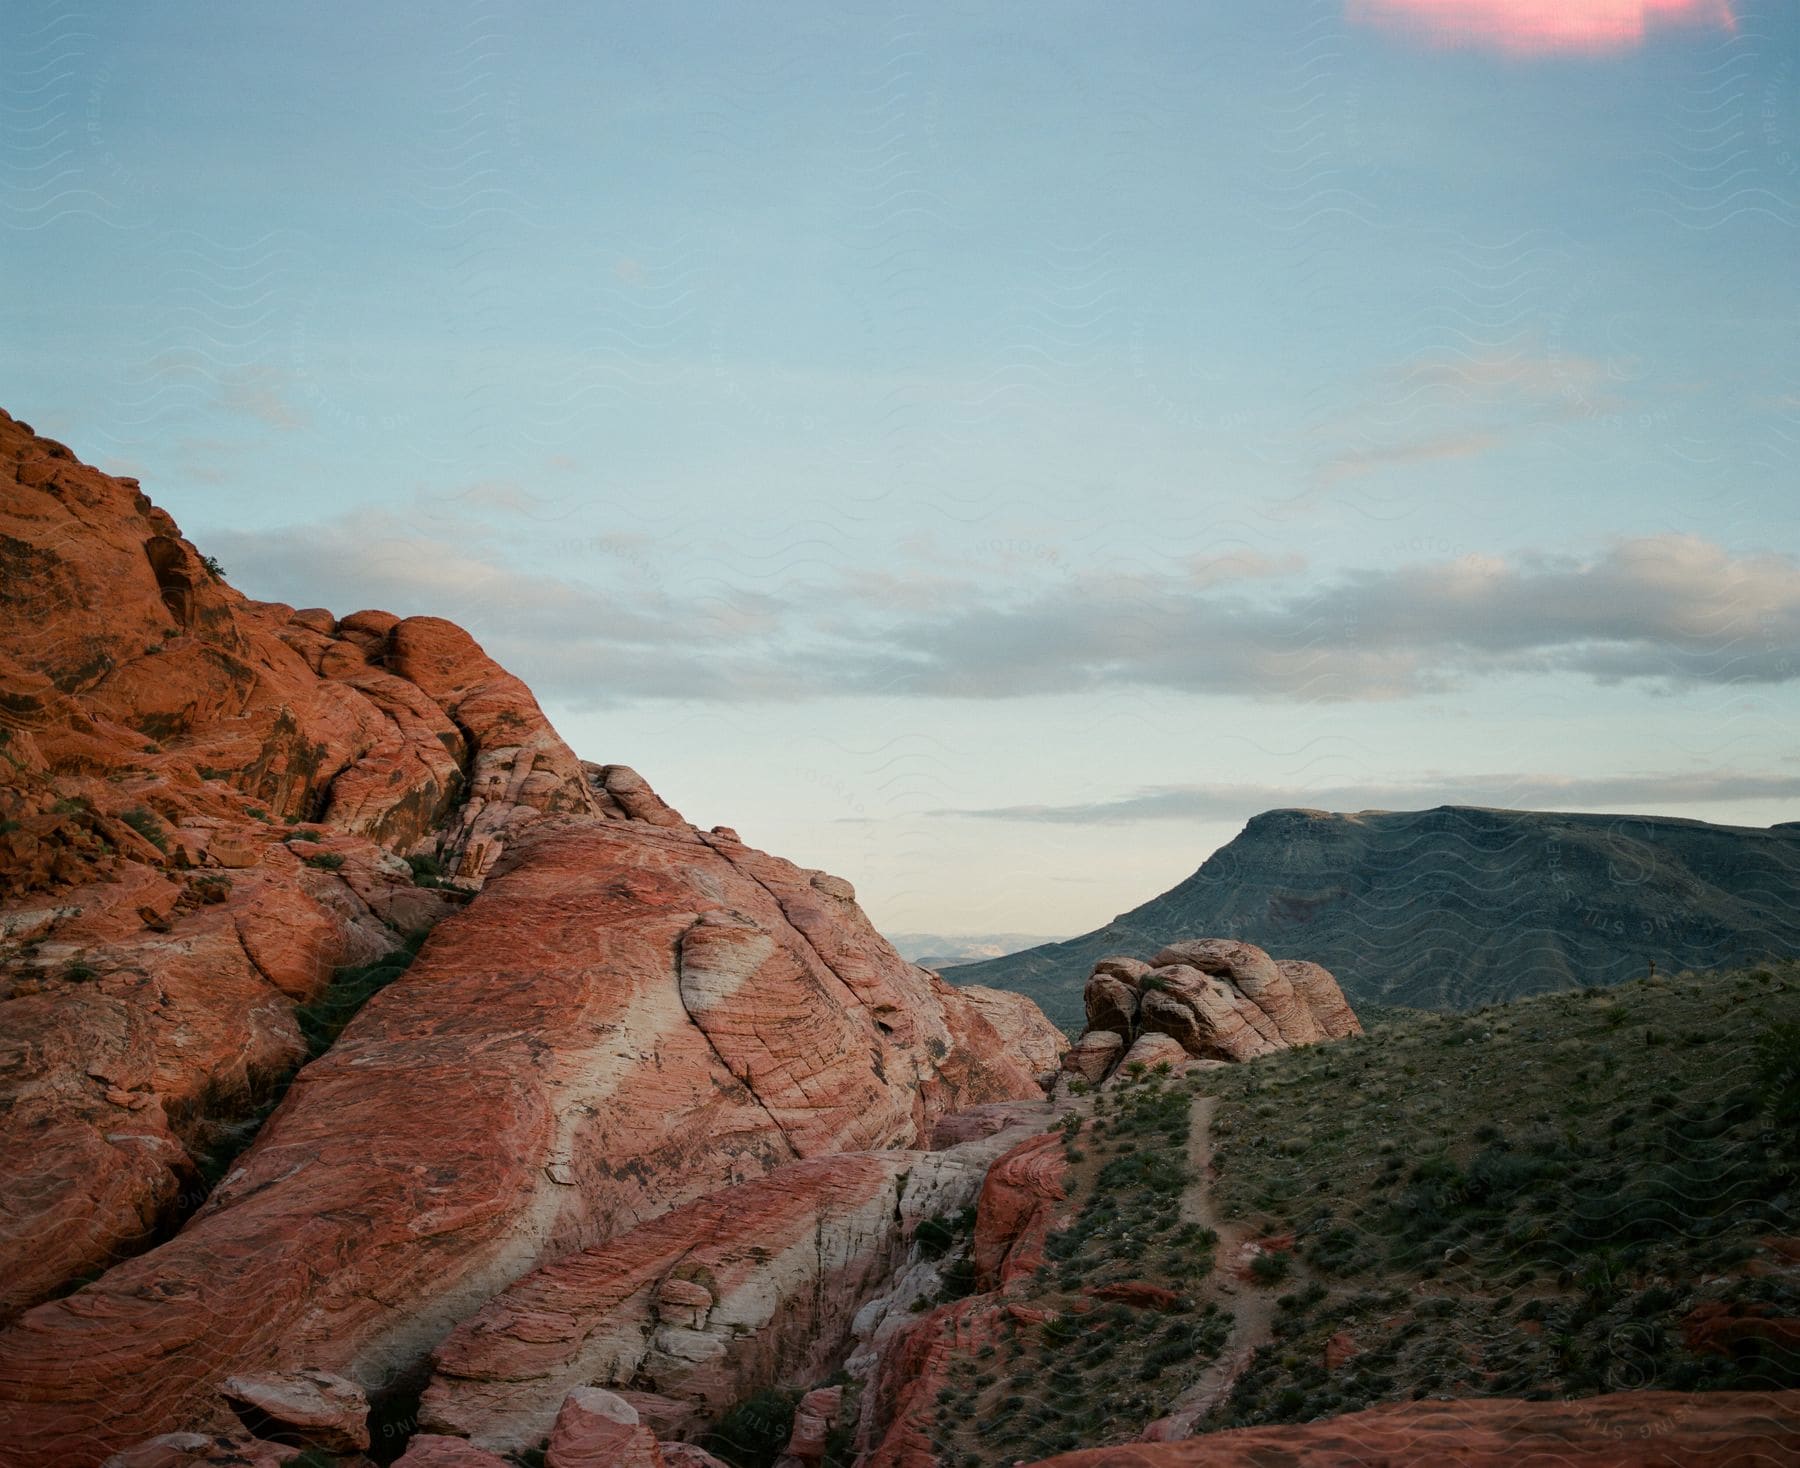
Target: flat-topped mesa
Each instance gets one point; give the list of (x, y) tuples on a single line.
[(1218, 999)]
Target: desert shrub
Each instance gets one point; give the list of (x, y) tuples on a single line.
[(147, 825), (351, 987), (934, 1237), (427, 871), (1778, 1076), (325, 861), (753, 1433)]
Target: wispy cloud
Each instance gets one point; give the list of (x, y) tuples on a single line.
[(1673, 610), (1513, 791)]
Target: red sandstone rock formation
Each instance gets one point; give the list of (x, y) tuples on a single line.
[(742, 1288), (597, 1429), (814, 1418), (1022, 1028), (163, 740), (1624, 1430), (1021, 1200), (1217, 998), (315, 1407), (1018, 1208), (631, 1013)]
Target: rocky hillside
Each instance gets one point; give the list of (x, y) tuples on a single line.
[(1563, 1228), (224, 825), (1458, 906)]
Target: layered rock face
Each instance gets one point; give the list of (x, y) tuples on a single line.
[(614, 1014), (1625, 1430), (700, 1308), (1208, 998), (201, 802)]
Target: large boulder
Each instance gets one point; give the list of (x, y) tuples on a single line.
[(814, 1419), (1093, 1055), (1112, 1004), (597, 1429), (315, 1408)]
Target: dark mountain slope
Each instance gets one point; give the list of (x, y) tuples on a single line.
[(1457, 906)]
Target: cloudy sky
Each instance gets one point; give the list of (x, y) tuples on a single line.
[(990, 451)]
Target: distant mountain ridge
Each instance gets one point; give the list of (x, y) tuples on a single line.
[(1457, 906), (935, 950)]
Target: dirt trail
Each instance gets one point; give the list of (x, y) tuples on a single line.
[(1251, 1307)]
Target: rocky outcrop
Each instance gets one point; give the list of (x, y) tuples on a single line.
[(1022, 1028), (311, 1407), (1094, 1055), (907, 1361), (202, 799), (206, 806), (1458, 906), (814, 1419), (1624, 1430), (596, 1429), (1215, 998), (745, 1287), (1019, 1205)]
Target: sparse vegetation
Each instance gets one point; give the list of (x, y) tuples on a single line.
[(752, 1434), (427, 871), (213, 568), (322, 1020), (1529, 1200), (148, 825), (325, 861)]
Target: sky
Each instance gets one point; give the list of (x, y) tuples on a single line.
[(989, 451)]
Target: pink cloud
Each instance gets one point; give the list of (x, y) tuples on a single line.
[(1538, 27)]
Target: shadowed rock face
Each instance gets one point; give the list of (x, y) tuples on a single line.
[(1626, 1430), (615, 1014), (744, 1287), (1458, 906)]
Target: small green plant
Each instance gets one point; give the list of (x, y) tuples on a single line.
[(1270, 1268), (326, 861), (80, 973), (148, 825), (753, 1433), (213, 568), (427, 871), (70, 805)]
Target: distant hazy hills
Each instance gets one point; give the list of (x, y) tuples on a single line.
[(1457, 906), (939, 950)]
